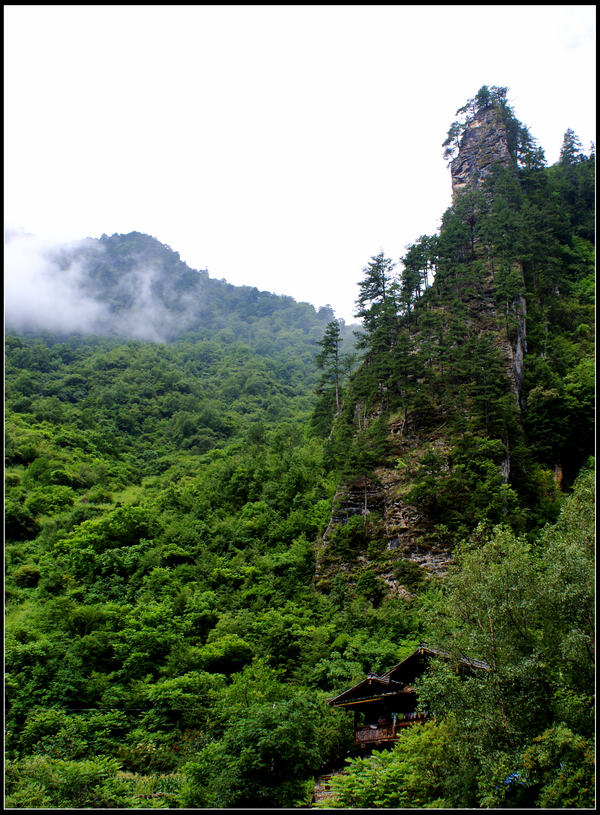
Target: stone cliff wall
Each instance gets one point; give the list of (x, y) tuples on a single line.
[(484, 143), (404, 534)]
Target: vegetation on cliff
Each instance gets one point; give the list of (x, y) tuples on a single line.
[(486, 377)]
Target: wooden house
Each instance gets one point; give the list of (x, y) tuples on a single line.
[(384, 705)]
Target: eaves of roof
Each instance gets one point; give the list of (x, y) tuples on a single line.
[(379, 686)]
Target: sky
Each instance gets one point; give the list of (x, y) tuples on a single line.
[(276, 146)]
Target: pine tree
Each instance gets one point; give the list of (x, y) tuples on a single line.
[(328, 360), (418, 267), (376, 303), (571, 151)]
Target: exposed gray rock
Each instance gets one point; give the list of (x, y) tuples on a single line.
[(484, 143)]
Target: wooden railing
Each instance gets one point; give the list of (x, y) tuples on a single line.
[(368, 734), (374, 733)]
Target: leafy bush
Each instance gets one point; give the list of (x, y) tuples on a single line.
[(27, 575), (56, 783), (424, 769)]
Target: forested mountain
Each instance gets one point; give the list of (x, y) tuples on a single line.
[(217, 518), (133, 286)]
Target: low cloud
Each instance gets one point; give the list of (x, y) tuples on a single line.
[(48, 286), (39, 294)]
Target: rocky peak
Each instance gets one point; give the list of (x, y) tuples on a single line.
[(483, 144)]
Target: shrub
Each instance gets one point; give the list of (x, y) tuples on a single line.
[(27, 575)]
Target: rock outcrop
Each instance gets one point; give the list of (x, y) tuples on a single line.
[(484, 143), (404, 536), (397, 542)]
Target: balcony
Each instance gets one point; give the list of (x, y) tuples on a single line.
[(372, 734)]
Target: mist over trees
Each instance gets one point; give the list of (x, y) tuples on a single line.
[(132, 286)]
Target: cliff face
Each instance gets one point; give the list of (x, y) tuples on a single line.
[(398, 541), (484, 143)]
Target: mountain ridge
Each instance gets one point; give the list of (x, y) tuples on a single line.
[(132, 285)]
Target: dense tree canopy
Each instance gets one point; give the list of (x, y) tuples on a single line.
[(181, 598)]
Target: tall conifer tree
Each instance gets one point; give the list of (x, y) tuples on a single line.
[(329, 359)]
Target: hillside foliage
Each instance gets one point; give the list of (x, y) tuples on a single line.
[(167, 645)]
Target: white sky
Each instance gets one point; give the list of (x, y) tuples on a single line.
[(278, 146)]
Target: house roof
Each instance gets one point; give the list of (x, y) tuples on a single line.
[(369, 689), (398, 679), (423, 652)]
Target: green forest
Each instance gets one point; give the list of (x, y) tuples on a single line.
[(197, 550)]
